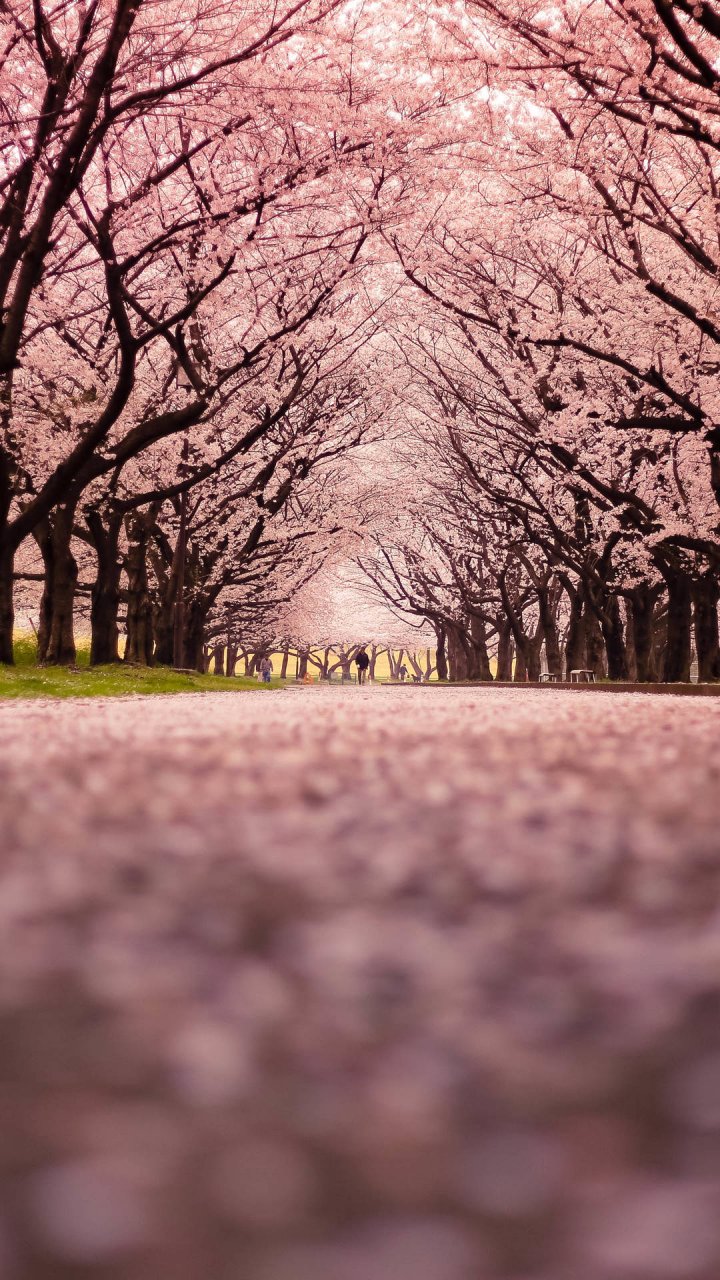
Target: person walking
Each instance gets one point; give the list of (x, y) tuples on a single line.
[(266, 668), (362, 662)]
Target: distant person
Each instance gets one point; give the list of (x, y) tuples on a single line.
[(362, 662), (403, 673), (266, 670)]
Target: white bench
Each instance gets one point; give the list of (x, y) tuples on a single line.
[(581, 675)]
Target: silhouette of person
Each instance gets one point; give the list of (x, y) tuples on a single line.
[(362, 662)]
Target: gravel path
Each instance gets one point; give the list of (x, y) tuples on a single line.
[(360, 985)]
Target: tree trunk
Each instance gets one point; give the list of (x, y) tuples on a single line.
[(520, 669), (706, 594), (194, 647), (7, 612), (374, 655), (641, 603), (105, 600), (231, 658), (659, 636), (163, 561), (42, 533), (480, 657), (504, 652), (164, 631), (56, 639), (452, 654), (575, 654), (217, 657), (630, 647), (284, 663), (457, 655), (527, 655), (180, 571), (417, 669), (550, 632), (594, 646), (302, 664), (196, 612), (613, 633), (139, 644), (441, 653), (527, 649), (676, 667)]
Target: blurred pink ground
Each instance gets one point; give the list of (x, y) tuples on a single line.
[(360, 985)]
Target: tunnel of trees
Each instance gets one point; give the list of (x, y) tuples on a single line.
[(431, 291)]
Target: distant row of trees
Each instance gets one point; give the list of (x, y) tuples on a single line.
[(224, 545), (524, 571), (330, 662)]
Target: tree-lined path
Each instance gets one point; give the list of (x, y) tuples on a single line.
[(328, 323), (427, 290), (361, 985)]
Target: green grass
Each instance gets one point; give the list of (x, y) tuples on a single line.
[(27, 680)]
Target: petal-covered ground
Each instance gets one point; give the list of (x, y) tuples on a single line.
[(385, 984)]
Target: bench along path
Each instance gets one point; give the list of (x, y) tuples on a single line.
[(360, 986)]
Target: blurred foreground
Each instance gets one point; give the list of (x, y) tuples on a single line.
[(360, 985)]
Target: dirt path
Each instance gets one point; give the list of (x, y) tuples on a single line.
[(360, 985)]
